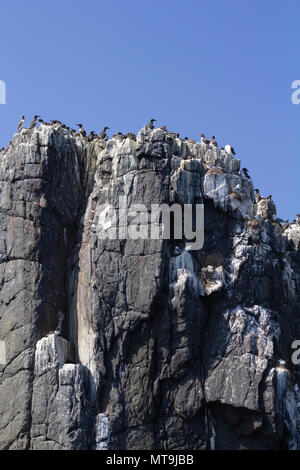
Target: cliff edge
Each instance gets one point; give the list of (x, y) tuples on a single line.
[(160, 346)]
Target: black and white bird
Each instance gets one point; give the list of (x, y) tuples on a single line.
[(244, 172), (257, 196), (92, 135), (286, 225), (103, 134), (213, 142), (33, 122), (81, 130), (20, 125), (229, 150), (204, 140), (151, 125)]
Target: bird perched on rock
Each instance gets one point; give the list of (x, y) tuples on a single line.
[(229, 150), (151, 125), (222, 151), (91, 136), (20, 125), (244, 172), (257, 196), (33, 122), (130, 135), (119, 136), (102, 134), (81, 130), (213, 142), (286, 225), (204, 140)]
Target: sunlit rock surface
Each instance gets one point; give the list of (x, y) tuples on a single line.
[(162, 347)]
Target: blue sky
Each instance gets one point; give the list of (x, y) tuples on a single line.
[(224, 68)]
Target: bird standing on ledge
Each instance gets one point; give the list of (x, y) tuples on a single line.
[(103, 134), (204, 140), (213, 142), (81, 130), (245, 173), (257, 196), (20, 125), (33, 122), (92, 136), (286, 225), (130, 135), (229, 150), (151, 125)]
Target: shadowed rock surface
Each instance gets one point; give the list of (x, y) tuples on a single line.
[(161, 347)]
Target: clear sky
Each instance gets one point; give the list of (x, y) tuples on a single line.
[(224, 68)]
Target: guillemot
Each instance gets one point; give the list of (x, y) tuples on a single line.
[(20, 125), (204, 140), (244, 172), (131, 136), (286, 225), (213, 142), (92, 135), (33, 122), (151, 125), (102, 134), (257, 196), (81, 130), (229, 150)]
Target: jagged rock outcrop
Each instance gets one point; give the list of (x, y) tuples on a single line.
[(162, 347)]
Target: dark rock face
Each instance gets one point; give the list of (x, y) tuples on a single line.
[(161, 347)]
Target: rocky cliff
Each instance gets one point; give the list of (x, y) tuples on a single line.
[(160, 347)]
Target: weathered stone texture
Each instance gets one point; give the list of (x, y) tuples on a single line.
[(161, 347)]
